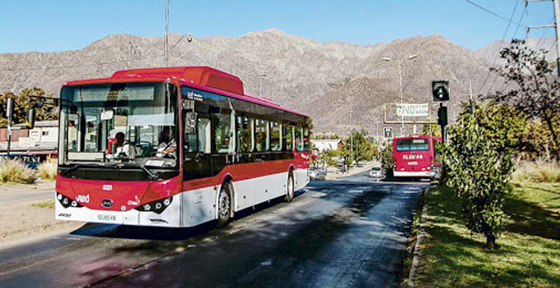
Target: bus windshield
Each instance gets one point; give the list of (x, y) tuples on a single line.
[(127, 123), (413, 145)]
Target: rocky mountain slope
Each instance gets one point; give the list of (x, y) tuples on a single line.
[(492, 51), (325, 80)]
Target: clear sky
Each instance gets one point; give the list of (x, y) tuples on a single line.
[(57, 25)]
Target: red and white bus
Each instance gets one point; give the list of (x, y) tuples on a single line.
[(415, 156), (174, 147)]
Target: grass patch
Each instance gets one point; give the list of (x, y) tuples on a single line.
[(537, 172), (47, 204), (529, 254), (47, 171), (15, 171)]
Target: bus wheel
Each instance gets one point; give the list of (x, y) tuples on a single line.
[(290, 188), (224, 205)]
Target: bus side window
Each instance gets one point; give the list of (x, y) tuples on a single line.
[(191, 139), (299, 139), (261, 135), (289, 137), (204, 133), (222, 132), (275, 136), (305, 138), (244, 134)]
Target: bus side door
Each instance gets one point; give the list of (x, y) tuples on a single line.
[(197, 148)]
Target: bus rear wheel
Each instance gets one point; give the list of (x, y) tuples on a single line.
[(290, 188), (224, 205)]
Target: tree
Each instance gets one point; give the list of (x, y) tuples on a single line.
[(538, 140), (387, 160), (45, 110), (505, 125), (364, 149), (479, 173), (435, 129), (536, 87)]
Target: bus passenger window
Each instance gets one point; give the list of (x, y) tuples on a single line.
[(299, 139), (289, 137), (245, 134), (222, 132), (305, 139), (275, 136), (191, 141), (261, 135), (204, 135)]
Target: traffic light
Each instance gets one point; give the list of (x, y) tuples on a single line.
[(30, 121), (9, 110), (388, 131), (442, 116), (440, 90)]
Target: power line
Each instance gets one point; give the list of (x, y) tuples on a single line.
[(544, 32), (520, 20), (501, 45), (496, 14)]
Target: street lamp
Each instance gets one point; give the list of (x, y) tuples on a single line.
[(388, 59)]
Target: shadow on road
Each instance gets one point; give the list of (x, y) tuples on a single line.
[(171, 234)]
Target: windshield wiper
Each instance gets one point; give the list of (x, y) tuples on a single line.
[(151, 174), (80, 165)]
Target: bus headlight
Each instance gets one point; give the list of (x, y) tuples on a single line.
[(155, 206), (67, 202)]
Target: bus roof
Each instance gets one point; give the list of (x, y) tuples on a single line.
[(200, 77)]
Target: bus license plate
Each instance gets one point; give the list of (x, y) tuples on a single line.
[(102, 217)]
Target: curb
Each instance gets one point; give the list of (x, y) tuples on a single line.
[(419, 238)]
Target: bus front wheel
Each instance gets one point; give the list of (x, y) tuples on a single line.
[(290, 187), (224, 205)]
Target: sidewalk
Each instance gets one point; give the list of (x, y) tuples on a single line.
[(22, 218)]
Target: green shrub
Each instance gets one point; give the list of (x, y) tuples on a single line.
[(537, 172), (47, 204), (47, 171), (15, 171)]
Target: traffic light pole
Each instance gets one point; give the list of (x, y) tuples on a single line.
[(442, 126)]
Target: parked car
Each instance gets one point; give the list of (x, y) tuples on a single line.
[(376, 172), (28, 159), (317, 173)]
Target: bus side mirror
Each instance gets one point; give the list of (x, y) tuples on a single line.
[(30, 121), (191, 119)]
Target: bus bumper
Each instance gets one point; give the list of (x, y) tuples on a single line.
[(414, 174), (170, 217)]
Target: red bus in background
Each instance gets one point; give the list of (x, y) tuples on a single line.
[(415, 157), (174, 147)]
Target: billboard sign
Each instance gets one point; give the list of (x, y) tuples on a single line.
[(413, 110)]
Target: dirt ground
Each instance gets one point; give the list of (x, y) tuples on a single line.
[(21, 220)]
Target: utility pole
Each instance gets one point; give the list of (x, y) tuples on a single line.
[(555, 25), (10, 102), (377, 133), (352, 136), (402, 97), (401, 84), (166, 44)]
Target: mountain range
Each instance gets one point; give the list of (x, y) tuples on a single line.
[(341, 86)]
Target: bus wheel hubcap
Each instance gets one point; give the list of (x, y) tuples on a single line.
[(224, 205)]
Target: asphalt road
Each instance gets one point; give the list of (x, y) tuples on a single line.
[(346, 233)]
